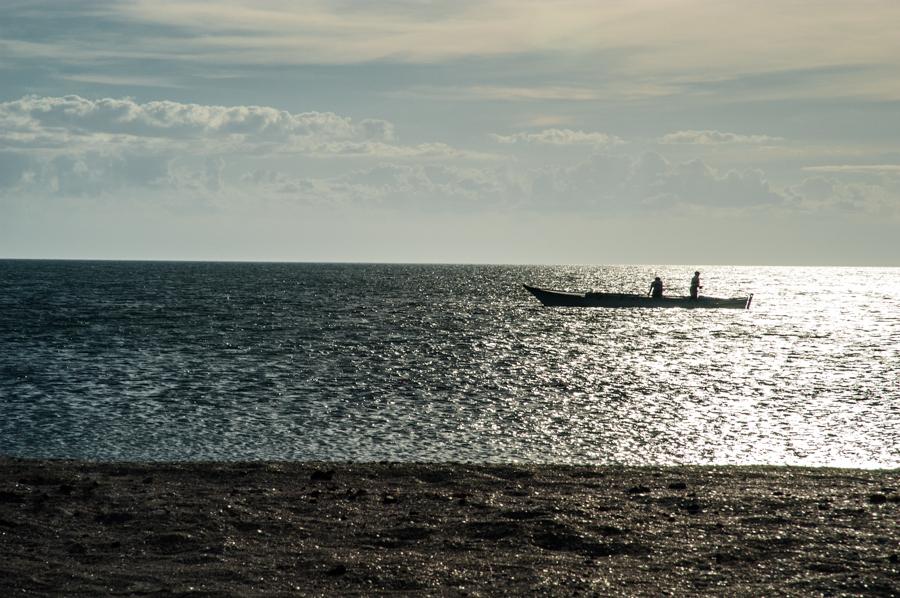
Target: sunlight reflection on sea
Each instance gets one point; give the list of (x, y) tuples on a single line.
[(371, 362)]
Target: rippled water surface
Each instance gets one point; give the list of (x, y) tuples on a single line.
[(107, 360)]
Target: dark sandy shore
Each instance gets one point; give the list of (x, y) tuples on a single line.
[(245, 529)]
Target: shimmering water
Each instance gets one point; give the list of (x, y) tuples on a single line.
[(106, 360)]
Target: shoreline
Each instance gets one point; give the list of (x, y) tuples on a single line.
[(326, 528)]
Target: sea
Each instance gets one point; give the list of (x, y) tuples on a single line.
[(195, 361)]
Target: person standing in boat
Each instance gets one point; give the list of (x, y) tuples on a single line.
[(656, 288), (695, 285)]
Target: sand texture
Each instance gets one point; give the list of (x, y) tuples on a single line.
[(270, 529)]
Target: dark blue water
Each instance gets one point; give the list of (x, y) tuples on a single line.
[(126, 360)]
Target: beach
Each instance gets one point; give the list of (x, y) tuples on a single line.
[(72, 528)]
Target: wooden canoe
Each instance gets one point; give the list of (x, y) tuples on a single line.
[(566, 299)]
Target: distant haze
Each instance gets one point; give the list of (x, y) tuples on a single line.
[(646, 131)]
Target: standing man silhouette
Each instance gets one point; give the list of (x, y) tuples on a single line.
[(695, 285)]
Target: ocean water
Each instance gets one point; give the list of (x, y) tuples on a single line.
[(226, 361)]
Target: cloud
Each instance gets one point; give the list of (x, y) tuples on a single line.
[(650, 182), (504, 93), (856, 168), (647, 48), (580, 51), (76, 116), (14, 168), (559, 137), (345, 32), (72, 123), (372, 149), (92, 174), (709, 137), (821, 194), (604, 183), (695, 182), (699, 34), (400, 186), (121, 80), (870, 189), (577, 50), (76, 146)]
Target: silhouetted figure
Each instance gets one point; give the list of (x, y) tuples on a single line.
[(695, 285), (656, 288)]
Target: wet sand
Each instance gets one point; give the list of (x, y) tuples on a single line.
[(245, 529)]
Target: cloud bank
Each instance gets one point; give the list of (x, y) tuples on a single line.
[(559, 137), (52, 121), (695, 34), (647, 48), (114, 147), (715, 137), (856, 168)]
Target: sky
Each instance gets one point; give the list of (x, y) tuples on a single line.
[(489, 131)]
